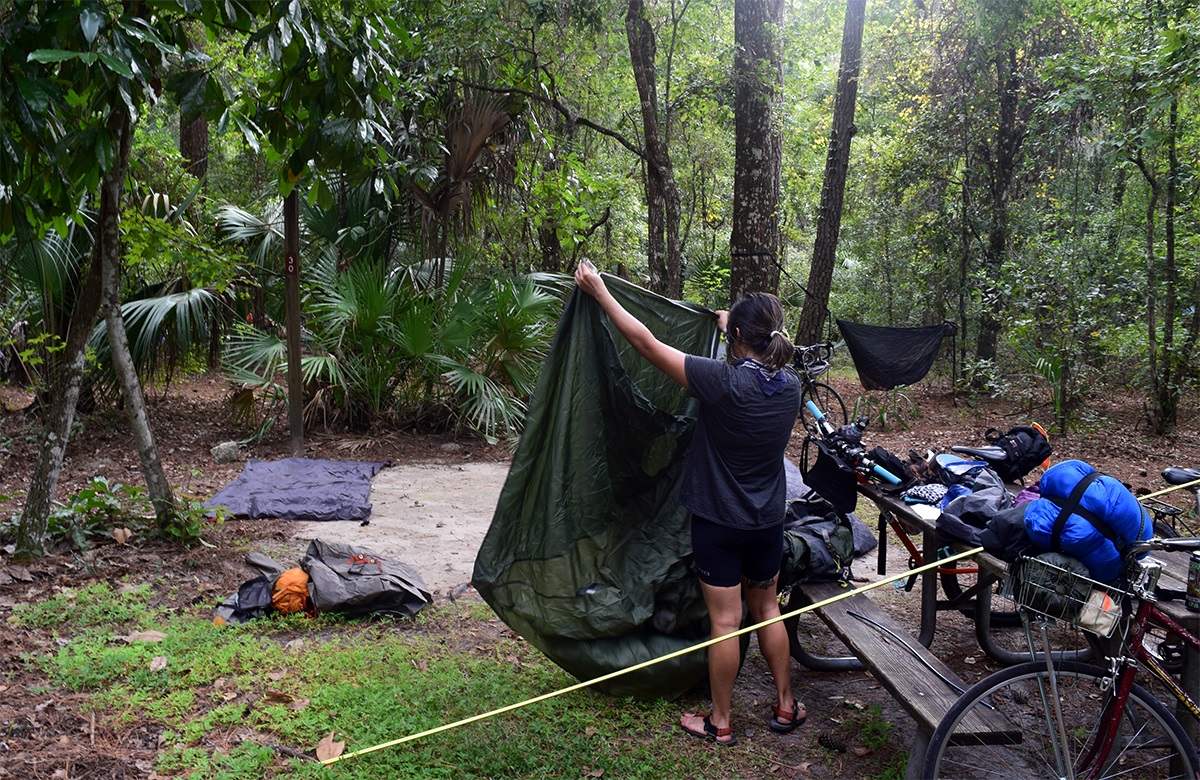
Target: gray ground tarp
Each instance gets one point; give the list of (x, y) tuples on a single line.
[(589, 553), (300, 489)]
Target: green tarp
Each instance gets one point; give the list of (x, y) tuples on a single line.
[(588, 556)]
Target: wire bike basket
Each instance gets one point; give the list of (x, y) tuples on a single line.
[(1060, 594)]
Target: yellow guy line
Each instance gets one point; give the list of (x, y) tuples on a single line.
[(1184, 486), (651, 662)]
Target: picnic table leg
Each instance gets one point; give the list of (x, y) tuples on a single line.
[(1189, 679), (916, 757), (929, 589), (818, 663)]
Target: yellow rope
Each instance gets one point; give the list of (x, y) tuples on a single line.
[(1185, 485), (651, 662)]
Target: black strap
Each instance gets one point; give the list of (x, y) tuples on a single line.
[(1071, 507)]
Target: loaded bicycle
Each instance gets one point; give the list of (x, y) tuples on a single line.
[(1072, 719)]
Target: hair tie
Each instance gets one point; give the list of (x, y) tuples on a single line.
[(775, 333)]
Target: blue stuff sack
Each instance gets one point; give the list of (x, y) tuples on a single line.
[(1087, 515)]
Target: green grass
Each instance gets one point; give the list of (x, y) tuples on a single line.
[(224, 698)]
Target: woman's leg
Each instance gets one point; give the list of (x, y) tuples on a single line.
[(725, 615), (763, 602)]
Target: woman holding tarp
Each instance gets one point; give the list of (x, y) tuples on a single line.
[(734, 485)]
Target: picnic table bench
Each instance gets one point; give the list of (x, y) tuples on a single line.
[(917, 679)]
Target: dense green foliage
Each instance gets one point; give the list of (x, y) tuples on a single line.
[(1021, 168)]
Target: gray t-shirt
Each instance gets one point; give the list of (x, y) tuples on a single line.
[(734, 473)]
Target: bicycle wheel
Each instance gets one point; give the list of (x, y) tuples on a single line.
[(827, 400), (953, 586), (1150, 742)]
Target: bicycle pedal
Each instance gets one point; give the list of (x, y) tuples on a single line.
[(1171, 653)]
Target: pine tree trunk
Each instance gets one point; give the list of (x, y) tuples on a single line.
[(829, 218), (758, 76)]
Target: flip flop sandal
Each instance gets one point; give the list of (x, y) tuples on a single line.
[(779, 726), (711, 733)]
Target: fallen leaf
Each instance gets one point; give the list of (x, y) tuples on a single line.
[(327, 748), (121, 534), (230, 696), (276, 676), (279, 696), (860, 751), (594, 773), (158, 663), (298, 705), (142, 636), (295, 644)]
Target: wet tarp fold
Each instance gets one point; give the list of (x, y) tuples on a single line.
[(589, 553)]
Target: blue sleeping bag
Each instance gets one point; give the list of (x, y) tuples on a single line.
[(1104, 518)]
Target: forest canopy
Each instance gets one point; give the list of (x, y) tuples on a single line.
[(377, 199)]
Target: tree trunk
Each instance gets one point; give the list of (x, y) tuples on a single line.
[(758, 75), (662, 194), (1152, 344), (1002, 165), (68, 380), (109, 227), (193, 147), (193, 136), (829, 218), (31, 529), (1172, 369)]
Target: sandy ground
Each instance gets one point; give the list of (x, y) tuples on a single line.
[(432, 517)]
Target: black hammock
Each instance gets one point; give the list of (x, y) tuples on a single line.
[(887, 357)]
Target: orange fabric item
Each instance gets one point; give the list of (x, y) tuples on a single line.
[(291, 591)]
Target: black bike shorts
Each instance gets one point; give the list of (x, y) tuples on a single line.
[(725, 555)]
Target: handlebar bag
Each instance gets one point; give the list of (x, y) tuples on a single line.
[(1087, 515)]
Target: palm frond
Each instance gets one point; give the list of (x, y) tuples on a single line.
[(263, 235), (484, 404), (160, 331), (253, 352)]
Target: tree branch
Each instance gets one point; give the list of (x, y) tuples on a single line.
[(563, 109)]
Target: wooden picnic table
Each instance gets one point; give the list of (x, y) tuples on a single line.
[(916, 679)]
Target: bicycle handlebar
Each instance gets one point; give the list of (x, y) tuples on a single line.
[(852, 453), (1169, 545), (813, 354)]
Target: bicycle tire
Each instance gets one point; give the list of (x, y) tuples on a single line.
[(1151, 744), (827, 400)]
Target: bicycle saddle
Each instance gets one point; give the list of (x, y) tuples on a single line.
[(1179, 476), (987, 452)]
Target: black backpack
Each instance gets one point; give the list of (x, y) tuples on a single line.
[(1011, 455), (1024, 448)]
